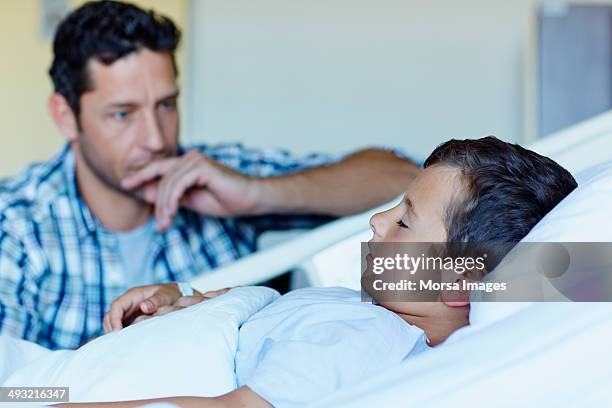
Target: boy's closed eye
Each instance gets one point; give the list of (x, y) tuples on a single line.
[(402, 224)]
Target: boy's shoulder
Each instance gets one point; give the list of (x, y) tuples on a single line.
[(320, 304), (323, 293)]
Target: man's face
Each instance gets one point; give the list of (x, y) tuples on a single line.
[(130, 116)]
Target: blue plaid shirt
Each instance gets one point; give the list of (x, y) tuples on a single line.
[(60, 269)]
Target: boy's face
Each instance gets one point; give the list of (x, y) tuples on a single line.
[(420, 217)]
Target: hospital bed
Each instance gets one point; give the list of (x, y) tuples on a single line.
[(513, 361), (512, 354)]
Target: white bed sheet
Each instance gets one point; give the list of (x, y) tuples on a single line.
[(557, 356), (189, 352)]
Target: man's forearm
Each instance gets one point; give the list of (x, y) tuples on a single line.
[(359, 182)]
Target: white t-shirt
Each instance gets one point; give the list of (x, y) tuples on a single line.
[(311, 342), (135, 254)]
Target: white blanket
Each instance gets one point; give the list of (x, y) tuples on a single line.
[(190, 352), (548, 354)]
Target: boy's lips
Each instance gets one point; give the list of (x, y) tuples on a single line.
[(369, 259)]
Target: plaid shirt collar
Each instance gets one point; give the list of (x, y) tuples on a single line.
[(83, 216)]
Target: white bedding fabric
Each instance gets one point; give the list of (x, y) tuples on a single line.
[(514, 355), (517, 354), (190, 352), (545, 355), (583, 216)]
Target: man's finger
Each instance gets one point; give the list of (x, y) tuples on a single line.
[(151, 171), (127, 305), (141, 318), (106, 324), (204, 202), (149, 305), (187, 301), (122, 308), (116, 314), (147, 192), (159, 299), (164, 310), (171, 202), (192, 171), (215, 293), (165, 184)]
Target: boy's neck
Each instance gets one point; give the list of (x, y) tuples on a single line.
[(441, 323)]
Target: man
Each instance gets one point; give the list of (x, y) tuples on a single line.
[(124, 205), (314, 341)]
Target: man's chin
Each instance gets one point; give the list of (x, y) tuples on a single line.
[(115, 184), (136, 195)]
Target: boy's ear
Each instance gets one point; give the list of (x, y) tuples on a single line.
[(63, 116)]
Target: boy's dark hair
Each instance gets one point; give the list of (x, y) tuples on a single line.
[(508, 189), (107, 31)]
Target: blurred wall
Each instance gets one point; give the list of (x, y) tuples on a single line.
[(27, 133), (310, 75), (339, 74)]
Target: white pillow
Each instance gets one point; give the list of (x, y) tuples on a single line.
[(190, 352), (16, 353), (585, 215)]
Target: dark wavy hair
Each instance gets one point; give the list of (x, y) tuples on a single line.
[(107, 31), (506, 190)]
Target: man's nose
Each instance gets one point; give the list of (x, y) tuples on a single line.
[(152, 134)]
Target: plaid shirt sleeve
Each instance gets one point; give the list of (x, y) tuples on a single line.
[(268, 163), (264, 162), (17, 314)]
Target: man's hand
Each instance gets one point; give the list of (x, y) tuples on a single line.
[(138, 301), (196, 182), (143, 302), (182, 303)]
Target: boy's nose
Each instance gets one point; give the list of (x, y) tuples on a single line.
[(377, 225)]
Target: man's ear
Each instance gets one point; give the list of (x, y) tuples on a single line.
[(63, 116)]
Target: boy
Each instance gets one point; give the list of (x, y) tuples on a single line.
[(313, 341)]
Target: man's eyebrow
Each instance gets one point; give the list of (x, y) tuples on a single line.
[(129, 104), (173, 95), (126, 104), (410, 205)]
